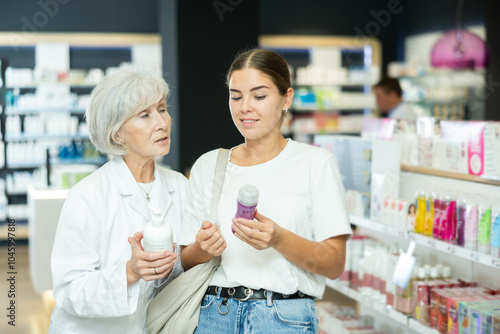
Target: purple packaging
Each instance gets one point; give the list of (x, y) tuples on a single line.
[(248, 196)]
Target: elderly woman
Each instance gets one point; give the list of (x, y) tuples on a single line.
[(103, 279)]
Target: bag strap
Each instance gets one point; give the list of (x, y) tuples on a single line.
[(220, 173)]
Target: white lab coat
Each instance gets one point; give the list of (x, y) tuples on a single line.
[(91, 249), (403, 111)]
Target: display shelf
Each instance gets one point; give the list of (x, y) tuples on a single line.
[(58, 161), (16, 192), (372, 225), (422, 240), (81, 161), (419, 328), (34, 85), (23, 137), (365, 300), (339, 108), (331, 84), (450, 175), (23, 111), (327, 132)]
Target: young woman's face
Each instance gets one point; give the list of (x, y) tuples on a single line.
[(147, 134), (255, 103)]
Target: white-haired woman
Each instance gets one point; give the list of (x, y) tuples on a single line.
[(103, 279)]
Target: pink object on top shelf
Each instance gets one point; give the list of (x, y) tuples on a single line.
[(460, 49)]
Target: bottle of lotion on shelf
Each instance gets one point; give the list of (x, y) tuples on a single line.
[(158, 235), (248, 196)]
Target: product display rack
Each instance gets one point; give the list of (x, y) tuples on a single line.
[(484, 267), (289, 45)]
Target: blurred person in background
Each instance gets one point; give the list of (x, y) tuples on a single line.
[(389, 98)]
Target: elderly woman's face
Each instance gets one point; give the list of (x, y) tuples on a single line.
[(147, 134)]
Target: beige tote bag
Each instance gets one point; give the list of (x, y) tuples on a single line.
[(176, 309)]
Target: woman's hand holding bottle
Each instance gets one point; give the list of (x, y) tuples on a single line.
[(148, 265), (260, 233)]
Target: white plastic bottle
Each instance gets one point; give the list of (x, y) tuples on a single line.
[(158, 235)]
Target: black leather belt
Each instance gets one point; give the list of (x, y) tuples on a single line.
[(242, 293)]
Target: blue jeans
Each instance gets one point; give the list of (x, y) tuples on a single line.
[(256, 316)]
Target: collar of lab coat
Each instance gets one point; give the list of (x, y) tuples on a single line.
[(127, 187)]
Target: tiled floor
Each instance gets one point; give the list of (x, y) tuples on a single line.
[(32, 314)]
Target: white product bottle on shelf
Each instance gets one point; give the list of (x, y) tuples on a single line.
[(158, 235)]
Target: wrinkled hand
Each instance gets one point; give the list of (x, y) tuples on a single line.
[(260, 233), (142, 264), (210, 239)]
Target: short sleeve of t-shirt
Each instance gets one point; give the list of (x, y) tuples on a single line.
[(329, 210)]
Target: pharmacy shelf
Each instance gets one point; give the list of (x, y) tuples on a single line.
[(300, 84), (450, 175), (81, 161), (312, 108), (34, 85), (23, 137), (15, 192), (58, 161), (439, 245), (419, 328), (23, 111), (327, 132), (375, 226), (365, 300)]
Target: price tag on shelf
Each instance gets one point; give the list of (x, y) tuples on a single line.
[(496, 263), (402, 234), (474, 256), (431, 243), (451, 249)]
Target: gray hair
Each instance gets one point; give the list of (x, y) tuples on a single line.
[(117, 97)]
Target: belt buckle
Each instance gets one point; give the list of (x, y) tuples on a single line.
[(248, 295)]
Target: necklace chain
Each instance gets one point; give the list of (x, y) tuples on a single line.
[(147, 192)]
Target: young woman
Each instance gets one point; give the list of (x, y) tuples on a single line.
[(273, 267)]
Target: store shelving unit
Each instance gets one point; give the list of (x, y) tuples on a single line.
[(368, 301), (370, 51), (465, 263), (421, 240)]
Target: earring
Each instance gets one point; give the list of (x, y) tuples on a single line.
[(121, 141), (286, 110)]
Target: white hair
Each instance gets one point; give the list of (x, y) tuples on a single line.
[(117, 97)]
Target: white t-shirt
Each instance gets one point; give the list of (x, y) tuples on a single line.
[(300, 189)]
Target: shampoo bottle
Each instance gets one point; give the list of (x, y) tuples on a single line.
[(429, 214), (248, 196), (461, 217), (470, 230), (495, 231), (158, 235), (484, 227), (436, 227), (449, 219), (421, 211)]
